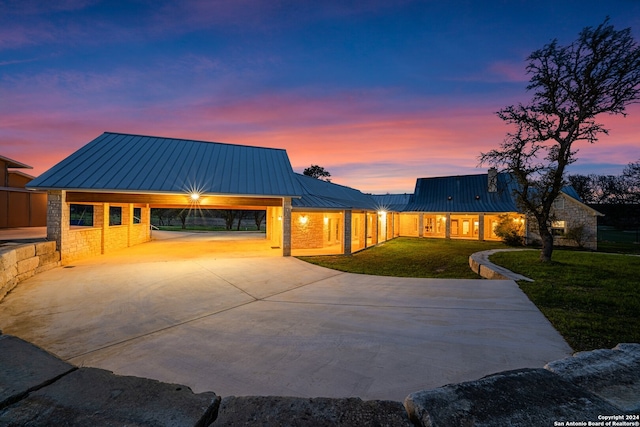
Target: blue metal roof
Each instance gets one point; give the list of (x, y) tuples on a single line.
[(392, 202), (319, 194), (464, 193), (135, 163), (571, 192)]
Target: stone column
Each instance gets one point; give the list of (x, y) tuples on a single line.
[(347, 232), (103, 222), (421, 225), (57, 217), (286, 226), (366, 228), (481, 227), (447, 232)]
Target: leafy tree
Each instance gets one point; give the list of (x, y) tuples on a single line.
[(572, 86), (317, 172)]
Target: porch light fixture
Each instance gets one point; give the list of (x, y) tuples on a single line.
[(194, 196), (303, 219)]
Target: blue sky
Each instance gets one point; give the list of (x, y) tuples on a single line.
[(377, 92)]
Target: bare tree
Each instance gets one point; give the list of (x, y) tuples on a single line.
[(240, 216), (584, 186), (573, 85), (258, 217), (631, 176), (229, 216)]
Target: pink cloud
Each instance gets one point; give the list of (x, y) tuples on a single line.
[(361, 141)]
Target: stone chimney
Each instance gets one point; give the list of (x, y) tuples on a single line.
[(492, 181)]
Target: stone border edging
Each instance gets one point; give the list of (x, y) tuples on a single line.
[(37, 388), (480, 264), (20, 262)]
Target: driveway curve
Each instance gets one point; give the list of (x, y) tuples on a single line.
[(240, 320)]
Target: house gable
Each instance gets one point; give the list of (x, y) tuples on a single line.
[(463, 193)]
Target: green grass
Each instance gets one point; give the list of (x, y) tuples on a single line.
[(411, 257), (618, 241), (592, 299)]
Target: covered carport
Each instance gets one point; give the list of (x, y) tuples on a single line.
[(121, 177)]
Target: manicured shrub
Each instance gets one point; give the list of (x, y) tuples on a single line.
[(511, 230)]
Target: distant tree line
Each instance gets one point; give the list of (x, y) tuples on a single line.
[(621, 189), (232, 217), (615, 196)]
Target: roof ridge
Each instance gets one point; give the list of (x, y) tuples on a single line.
[(328, 182), (192, 140)]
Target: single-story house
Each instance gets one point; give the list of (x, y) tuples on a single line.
[(470, 207), (334, 219), (19, 207), (100, 198)]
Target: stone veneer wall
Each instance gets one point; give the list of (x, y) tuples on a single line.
[(307, 230), (77, 242), (574, 214), (18, 263)]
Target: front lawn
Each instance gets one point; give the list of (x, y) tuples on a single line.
[(411, 257), (592, 299)]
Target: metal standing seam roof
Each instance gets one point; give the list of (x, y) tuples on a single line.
[(319, 194), (392, 202), (464, 193), (136, 163)]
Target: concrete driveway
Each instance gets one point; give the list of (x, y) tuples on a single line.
[(246, 321)]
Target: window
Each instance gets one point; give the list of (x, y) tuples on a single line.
[(558, 228), (137, 215), (428, 226), (115, 215), (81, 215)]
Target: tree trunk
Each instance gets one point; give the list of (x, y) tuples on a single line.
[(240, 218), (547, 244), (258, 216), (229, 216)]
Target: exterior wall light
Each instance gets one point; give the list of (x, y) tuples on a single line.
[(303, 219), (194, 196)]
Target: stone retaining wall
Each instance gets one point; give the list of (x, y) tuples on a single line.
[(600, 387), (19, 262)]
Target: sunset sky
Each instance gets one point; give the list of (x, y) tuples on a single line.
[(378, 92)]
